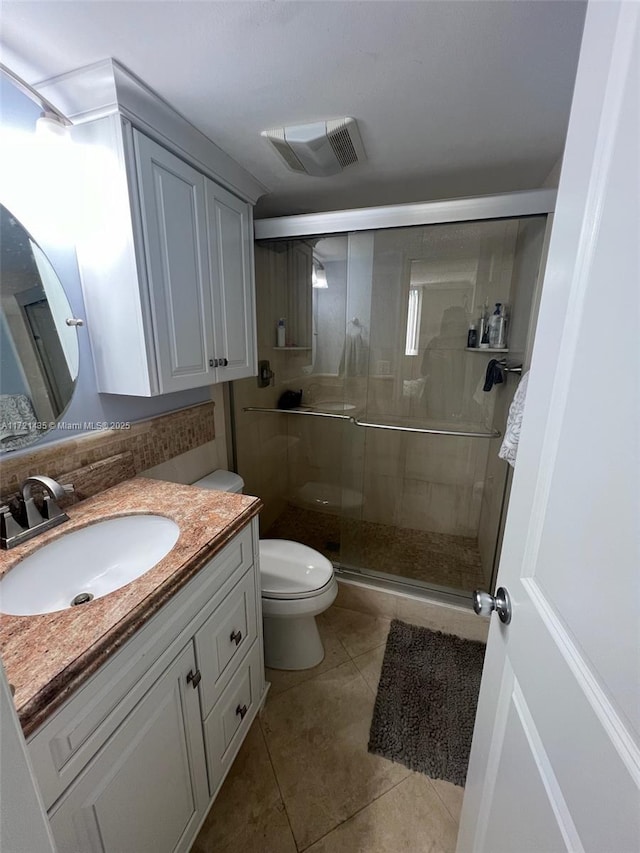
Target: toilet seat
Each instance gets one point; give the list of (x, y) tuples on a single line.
[(290, 570)]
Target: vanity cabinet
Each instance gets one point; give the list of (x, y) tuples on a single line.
[(147, 788), (132, 761)]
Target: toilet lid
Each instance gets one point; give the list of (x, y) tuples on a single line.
[(290, 568)]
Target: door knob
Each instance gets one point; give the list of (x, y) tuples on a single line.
[(484, 604), (224, 362)]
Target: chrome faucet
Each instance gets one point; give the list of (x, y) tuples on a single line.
[(12, 532)]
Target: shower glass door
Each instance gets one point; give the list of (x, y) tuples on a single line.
[(388, 465)]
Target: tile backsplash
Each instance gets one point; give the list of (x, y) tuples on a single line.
[(98, 460)]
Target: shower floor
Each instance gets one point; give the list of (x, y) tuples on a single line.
[(417, 555)]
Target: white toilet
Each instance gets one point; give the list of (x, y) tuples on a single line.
[(297, 582)]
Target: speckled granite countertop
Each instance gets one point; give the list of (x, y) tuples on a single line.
[(47, 657)]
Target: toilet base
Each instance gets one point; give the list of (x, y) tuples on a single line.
[(292, 643)]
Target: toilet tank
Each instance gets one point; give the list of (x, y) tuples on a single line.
[(224, 481)]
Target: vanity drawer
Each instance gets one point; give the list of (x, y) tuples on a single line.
[(229, 720), (224, 640), (64, 745)]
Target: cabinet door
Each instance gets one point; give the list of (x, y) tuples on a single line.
[(146, 790), (173, 214), (230, 230)]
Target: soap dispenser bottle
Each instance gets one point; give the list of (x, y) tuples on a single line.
[(281, 333)]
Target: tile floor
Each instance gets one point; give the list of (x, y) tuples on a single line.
[(304, 780), (431, 558)]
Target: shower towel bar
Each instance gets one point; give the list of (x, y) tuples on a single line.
[(368, 425), (509, 368), (462, 433), (299, 412)]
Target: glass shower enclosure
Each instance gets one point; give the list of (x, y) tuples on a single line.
[(388, 461)]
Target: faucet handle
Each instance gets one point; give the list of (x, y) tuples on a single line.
[(50, 508), (8, 525)]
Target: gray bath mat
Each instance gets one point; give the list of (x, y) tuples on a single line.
[(426, 702)]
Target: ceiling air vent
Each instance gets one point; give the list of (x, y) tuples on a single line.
[(321, 149)]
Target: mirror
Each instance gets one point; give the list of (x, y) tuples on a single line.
[(38, 349)]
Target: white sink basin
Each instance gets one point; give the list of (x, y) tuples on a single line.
[(95, 560)]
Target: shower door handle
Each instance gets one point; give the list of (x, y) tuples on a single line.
[(484, 604)]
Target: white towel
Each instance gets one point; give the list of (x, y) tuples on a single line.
[(509, 447), (355, 355)]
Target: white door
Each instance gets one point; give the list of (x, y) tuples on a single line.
[(172, 200), (555, 762), (230, 230)]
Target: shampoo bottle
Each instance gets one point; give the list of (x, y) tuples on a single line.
[(281, 333), (497, 328)]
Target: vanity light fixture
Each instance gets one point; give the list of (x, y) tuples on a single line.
[(50, 125), (318, 276), (52, 121)]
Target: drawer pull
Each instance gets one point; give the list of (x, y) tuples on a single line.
[(194, 678), (236, 637), (242, 710)]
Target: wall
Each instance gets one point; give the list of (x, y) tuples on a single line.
[(553, 178)]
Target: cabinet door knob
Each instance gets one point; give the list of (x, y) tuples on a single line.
[(213, 362), (236, 637), (194, 678), (224, 362), (242, 710)]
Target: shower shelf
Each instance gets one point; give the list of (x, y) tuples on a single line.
[(295, 349), (485, 349)]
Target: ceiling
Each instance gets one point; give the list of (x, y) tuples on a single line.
[(453, 98)]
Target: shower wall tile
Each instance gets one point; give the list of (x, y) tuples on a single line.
[(439, 508), (384, 452), (439, 459), (414, 510), (382, 498)]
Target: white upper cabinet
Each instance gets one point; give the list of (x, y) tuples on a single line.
[(165, 248), (229, 231), (174, 225)]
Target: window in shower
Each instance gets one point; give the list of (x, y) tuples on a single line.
[(389, 349)]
